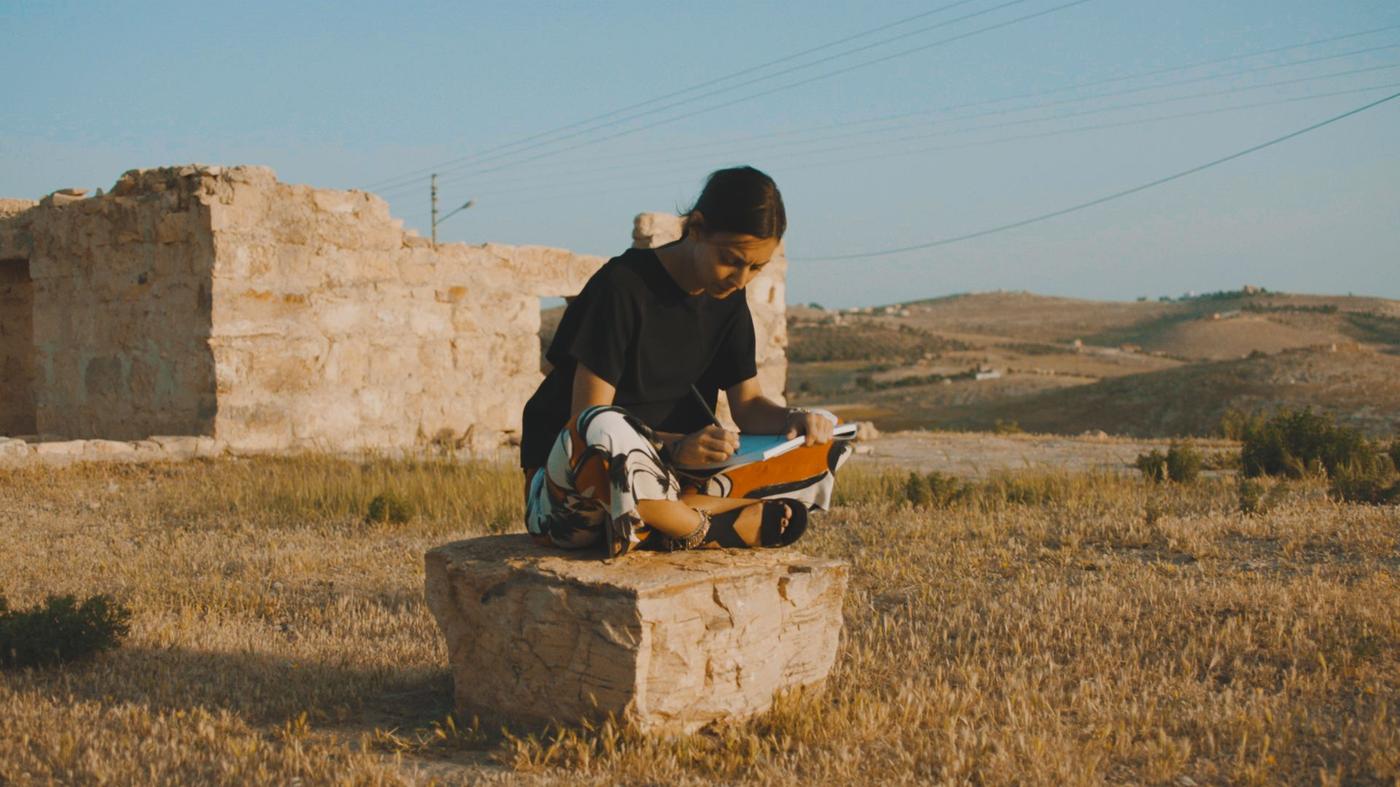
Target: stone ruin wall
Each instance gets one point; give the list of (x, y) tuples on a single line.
[(220, 302), (120, 313), (16, 328), (335, 329)]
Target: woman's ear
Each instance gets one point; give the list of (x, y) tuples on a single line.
[(694, 224)]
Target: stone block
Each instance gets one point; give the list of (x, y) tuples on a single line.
[(670, 642), (14, 450)]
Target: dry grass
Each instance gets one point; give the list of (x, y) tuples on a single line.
[(1045, 629)]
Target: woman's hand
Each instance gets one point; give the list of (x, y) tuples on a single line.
[(705, 447), (816, 426)]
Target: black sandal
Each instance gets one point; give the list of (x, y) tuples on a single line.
[(771, 532)]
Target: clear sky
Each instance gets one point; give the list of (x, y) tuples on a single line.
[(357, 95)]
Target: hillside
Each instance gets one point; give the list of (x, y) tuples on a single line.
[(1361, 387), (1065, 365), (1146, 368)]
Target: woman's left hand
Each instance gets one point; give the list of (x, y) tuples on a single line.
[(816, 426)]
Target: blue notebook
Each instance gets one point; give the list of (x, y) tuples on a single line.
[(758, 447)]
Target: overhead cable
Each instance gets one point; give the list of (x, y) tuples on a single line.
[(1104, 199)]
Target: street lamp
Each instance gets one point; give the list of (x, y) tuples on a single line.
[(436, 220)]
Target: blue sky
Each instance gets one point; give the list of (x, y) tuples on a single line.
[(356, 94)]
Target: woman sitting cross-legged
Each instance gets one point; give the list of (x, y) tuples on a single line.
[(613, 435)]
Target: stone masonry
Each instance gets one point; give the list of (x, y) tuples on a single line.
[(219, 302), (668, 641)]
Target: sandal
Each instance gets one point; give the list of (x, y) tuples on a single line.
[(771, 532)]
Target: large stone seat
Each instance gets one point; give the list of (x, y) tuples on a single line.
[(668, 641)]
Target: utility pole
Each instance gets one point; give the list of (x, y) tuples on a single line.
[(450, 214), (434, 188)]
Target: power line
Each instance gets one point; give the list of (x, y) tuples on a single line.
[(632, 155), (778, 89), (1108, 198), (500, 151), (427, 170), (730, 88), (824, 161), (643, 164)]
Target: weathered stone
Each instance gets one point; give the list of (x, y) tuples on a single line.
[(14, 450), (219, 302), (668, 641)]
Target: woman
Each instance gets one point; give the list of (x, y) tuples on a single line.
[(639, 358)]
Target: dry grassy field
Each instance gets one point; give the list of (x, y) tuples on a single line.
[(1043, 629)]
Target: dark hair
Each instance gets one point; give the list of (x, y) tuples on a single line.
[(742, 200)]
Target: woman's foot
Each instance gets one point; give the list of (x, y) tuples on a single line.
[(762, 523), (733, 522)]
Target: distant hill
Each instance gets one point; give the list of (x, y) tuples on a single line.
[(1066, 365), (1361, 387), (1145, 368)]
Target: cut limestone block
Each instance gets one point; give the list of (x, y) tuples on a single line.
[(668, 641)]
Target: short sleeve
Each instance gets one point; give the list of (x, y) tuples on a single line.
[(734, 358), (597, 330)]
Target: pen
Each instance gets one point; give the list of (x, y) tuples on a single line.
[(714, 419)]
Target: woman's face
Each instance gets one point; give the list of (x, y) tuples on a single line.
[(725, 262)]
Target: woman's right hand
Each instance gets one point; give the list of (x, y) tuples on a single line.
[(705, 447)]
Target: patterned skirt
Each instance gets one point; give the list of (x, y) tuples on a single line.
[(607, 460)]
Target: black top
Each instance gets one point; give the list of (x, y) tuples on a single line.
[(636, 328)]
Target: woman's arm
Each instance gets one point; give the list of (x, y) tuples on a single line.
[(711, 444), (754, 412), (589, 390)]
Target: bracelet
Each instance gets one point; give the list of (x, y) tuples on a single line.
[(827, 414), (691, 541)]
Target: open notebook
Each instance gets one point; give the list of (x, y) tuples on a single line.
[(758, 447)]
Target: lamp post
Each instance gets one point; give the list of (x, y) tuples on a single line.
[(436, 221)]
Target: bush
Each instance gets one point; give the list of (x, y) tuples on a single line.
[(1006, 427), (916, 491), (1370, 481), (1395, 453), (1183, 463), (60, 630), (935, 490), (1235, 424), (390, 507), (1252, 494), (1295, 444), (1153, 465)]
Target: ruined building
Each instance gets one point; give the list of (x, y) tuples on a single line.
[(220, 302)]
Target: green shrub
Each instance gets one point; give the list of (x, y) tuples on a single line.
[(1153, 465), (916, 491), (1366, 481), (1295, 444), (1183, 463), (1006, 427), (390, 507), (1252, 494), (1395, 453), (1235, 424), (60, 630), (944, 490)]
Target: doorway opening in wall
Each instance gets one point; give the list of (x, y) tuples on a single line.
[(17, 365)]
